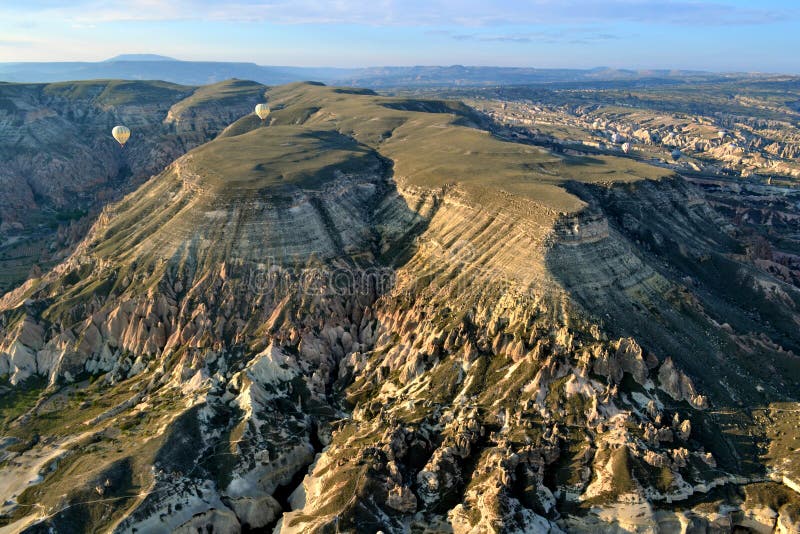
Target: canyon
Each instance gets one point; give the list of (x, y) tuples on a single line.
[(372, 313)]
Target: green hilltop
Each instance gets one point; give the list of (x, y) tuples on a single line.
[(436, 143)]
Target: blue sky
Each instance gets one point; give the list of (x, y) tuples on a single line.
[(719, 35)]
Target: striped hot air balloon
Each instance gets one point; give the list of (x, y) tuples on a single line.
[(121, 134), (262, 110)]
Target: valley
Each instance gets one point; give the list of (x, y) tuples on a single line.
[(397, 313), (60, 166)]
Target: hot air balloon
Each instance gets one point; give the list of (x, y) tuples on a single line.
[(616, 138), (121, 134), (626, 147), (262, 110), (676, 154)]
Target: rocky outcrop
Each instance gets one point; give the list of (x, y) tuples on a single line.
[(627, 357), (222, 521), (678, 386), (256, 512)]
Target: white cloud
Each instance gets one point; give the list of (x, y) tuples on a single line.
[(468, 13)]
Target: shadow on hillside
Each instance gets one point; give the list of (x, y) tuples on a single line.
[(667, 275)]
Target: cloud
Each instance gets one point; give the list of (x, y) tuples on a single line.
[(430, 13), (15, 43), (562, 35)]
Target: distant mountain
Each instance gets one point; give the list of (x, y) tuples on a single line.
[(155, 67), (434, 76), (140, 57), (182, 72)]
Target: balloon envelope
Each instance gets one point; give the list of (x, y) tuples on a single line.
[(676, 154), (121, 134), (262, 110), (626, 147)]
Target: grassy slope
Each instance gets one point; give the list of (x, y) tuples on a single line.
[(437, 143), (276, 156), (220, 93), (117, 92)]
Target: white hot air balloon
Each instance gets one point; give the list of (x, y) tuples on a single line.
[(262, 110), (121, 134), (676, 154), (616, 138), (626, 147)]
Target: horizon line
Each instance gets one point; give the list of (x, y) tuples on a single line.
[(167, 59)]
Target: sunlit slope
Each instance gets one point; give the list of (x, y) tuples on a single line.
[(228, 92), (238, 192)]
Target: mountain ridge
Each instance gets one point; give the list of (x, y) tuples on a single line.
[(204, 72), (139, 57)]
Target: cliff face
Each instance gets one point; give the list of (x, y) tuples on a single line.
[(674, 264), (332, 322)]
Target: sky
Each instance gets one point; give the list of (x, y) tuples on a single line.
[(715, 35)]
